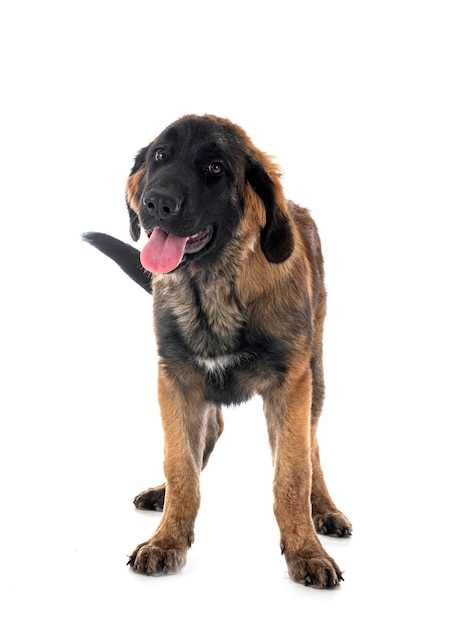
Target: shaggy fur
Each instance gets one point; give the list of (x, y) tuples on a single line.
[(242, 315)]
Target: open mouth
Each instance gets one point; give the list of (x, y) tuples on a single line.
[(164, 251), (198, 241)]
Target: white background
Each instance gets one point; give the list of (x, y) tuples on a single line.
[(353, 99)]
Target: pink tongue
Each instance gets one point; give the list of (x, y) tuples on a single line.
[(163, 252)]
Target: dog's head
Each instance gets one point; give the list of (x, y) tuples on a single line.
[(190, 189)]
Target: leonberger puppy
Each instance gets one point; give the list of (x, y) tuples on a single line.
[(236, 273)]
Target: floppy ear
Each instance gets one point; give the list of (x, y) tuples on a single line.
[(134, 228), (276, 237), (134, 189)]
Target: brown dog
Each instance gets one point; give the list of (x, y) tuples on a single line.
[(239, 302)]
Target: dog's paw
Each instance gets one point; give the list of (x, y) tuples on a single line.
[(155, 558), (151, 499), (320, 572), (334, 524)]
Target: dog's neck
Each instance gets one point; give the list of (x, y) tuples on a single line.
[(205, 307)]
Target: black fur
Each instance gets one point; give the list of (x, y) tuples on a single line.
[(206, 199), (126, 256), (242, 314), (179, 144), (276, 237), (259, 355)]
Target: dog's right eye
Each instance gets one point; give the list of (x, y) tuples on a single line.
[(160, 155)]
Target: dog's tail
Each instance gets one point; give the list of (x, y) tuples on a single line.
[(126, 256)]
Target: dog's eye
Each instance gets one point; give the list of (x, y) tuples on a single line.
[(160, 155), (215, 168)]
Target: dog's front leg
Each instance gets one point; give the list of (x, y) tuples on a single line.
[(184, 415), (288, 409)]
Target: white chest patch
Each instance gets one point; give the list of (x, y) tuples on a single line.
[(220, 363)]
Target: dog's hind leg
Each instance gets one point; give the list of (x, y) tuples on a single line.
[(327, 518), (153, 499), (215, 426)]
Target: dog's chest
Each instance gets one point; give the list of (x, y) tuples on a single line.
[(204, 326), (208, 318)]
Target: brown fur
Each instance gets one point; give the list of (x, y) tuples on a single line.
[(267, 279)]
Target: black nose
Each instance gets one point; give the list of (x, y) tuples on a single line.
[(161, 204)]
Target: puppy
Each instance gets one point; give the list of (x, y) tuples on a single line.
[(236, 273)]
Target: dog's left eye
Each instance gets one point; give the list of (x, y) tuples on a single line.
[(215, 168), (160, 155)]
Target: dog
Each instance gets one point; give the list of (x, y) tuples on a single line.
[(236, 273)]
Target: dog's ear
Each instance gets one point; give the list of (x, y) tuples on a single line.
[(135, 228), (134, 189), (276, 237)]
